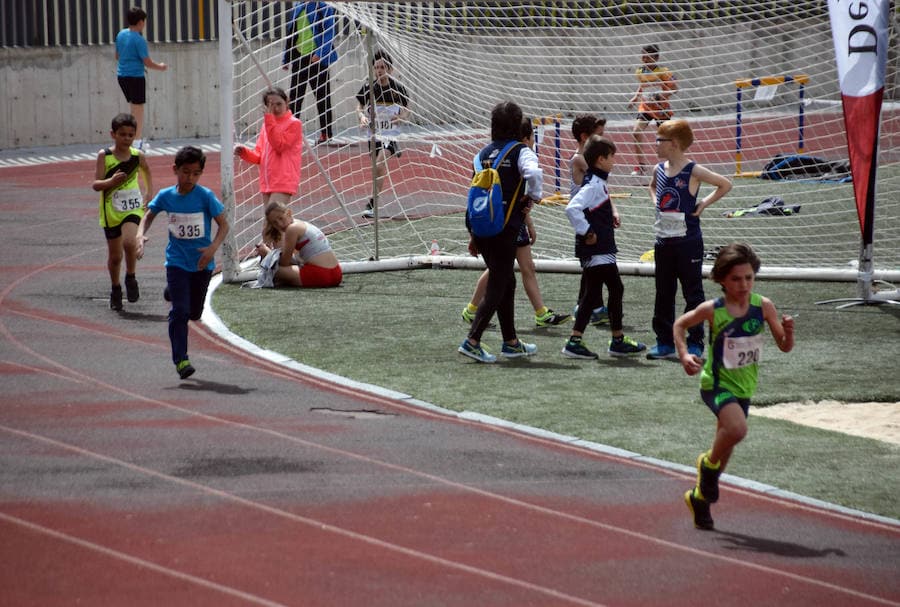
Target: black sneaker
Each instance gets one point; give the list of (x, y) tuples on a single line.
[(184, 369), (132, 292), (625, 346), (115, 298), (700, 509), (575, 349), (369, 213), (707, 480)]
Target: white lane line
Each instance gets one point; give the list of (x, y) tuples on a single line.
[(310, 522), (133, 560), (387, 465)]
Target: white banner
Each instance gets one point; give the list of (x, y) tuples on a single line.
[(860, 32)]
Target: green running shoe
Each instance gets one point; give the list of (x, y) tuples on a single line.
[(550, 318), (185, 369)]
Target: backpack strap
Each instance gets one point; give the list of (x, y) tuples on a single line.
[(504, 152), (512, 203), (500, 157)]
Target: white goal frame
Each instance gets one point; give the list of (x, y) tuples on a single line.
[(534, 98)]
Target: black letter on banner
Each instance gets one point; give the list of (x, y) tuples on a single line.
[(867, 48)]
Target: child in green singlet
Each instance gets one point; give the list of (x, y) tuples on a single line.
[(729, 374), (122, 204)]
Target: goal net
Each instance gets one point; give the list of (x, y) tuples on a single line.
[(756, 80)]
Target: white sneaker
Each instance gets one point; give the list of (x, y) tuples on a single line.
[(637, 172)]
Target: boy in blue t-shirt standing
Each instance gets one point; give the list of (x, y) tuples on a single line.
[(132, 57), (190, 252)]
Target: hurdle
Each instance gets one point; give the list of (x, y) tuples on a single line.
[(740, 85)]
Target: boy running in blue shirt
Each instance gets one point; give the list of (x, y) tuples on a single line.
[(190, 253)]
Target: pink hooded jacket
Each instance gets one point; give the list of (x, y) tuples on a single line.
[(277, 152)]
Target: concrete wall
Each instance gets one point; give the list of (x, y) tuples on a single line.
[(69, 95), (58, 96)]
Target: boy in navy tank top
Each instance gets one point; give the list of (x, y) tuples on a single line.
[(678, 250)]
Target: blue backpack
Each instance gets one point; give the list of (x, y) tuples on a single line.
[(486, 212)]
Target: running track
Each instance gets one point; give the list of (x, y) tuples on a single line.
[(253, 484)]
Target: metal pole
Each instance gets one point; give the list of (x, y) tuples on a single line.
[(373, 149), (230, 264)]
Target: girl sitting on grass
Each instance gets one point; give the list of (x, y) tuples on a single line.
[(319, 265)]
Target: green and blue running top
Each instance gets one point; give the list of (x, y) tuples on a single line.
[(735, 350)]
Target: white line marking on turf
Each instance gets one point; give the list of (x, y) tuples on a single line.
[(133, 560)]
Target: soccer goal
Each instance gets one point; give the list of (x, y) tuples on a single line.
[(562, 59)]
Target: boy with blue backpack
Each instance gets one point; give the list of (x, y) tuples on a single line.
[(507, 181)]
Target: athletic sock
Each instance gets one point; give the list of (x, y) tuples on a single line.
[(708, 462), (471, 307), (542, 311)]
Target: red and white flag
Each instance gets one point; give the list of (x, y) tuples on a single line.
[(860, 32)]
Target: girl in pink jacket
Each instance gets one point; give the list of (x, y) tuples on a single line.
[(278, 149)]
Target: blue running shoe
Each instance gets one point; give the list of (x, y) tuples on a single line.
[(660, 351), (696, 349), (600, 316), (518, 350), (476, 352)]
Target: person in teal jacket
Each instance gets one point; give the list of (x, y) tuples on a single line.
[(308, 51)]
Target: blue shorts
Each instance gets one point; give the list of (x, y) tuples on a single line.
[(716, 399)]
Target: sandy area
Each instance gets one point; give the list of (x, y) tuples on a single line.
[(880, 421)]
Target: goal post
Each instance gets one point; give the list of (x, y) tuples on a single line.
[(558, 61)]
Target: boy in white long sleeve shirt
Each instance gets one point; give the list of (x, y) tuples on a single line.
[(590, 212)]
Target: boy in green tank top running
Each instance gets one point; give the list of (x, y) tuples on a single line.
[(728, 376), (122, 204)]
